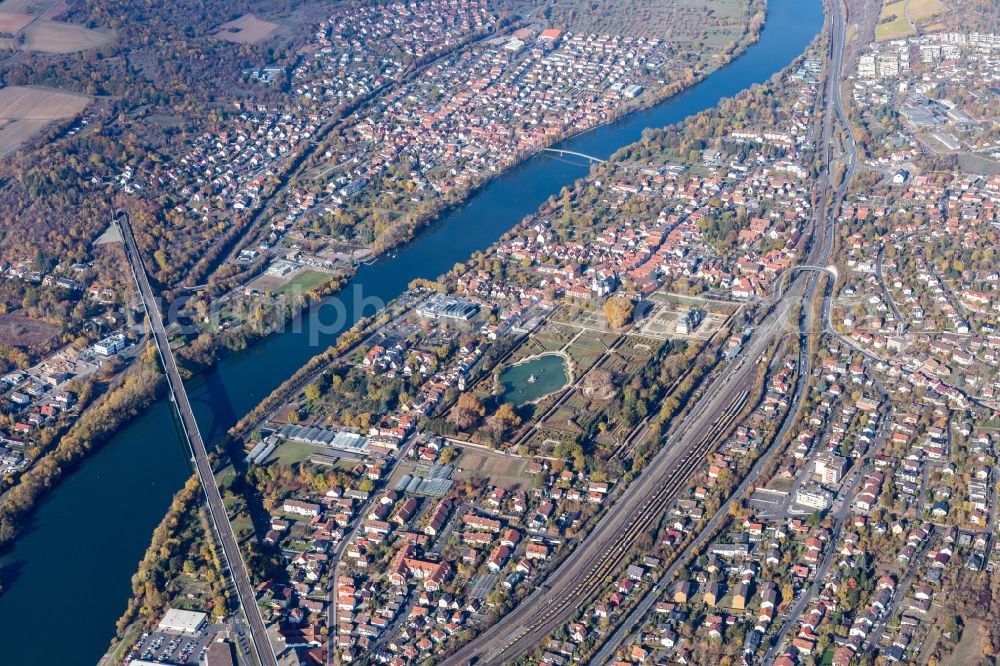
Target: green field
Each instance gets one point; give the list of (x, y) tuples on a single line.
[(306, 281), (895, 25), (289, 453)]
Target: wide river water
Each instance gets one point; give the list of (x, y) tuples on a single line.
[(68, 577)]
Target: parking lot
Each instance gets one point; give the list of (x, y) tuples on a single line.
[(483, 585), (175, 649)]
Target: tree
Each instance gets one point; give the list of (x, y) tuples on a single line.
[(599, 382), (618, 311), (467, 411), (503, 420), (312, 392), (448, 454)]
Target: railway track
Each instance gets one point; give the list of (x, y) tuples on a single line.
[(648, 515)]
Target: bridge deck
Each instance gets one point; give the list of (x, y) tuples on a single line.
[(227, 539), (560, 151)]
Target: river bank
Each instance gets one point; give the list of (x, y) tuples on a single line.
[(433, 209)]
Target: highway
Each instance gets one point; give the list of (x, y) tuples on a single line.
[(833, 206), (232, 557), (582, 574)]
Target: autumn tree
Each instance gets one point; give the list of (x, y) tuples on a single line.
[(599, 382), (467, 411), (503, 420), (618, 311)]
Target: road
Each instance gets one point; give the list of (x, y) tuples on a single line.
[(349, 534), (900, 323), (217, 511), (852, 483), (631, 623), (581, 575), (832, 97), (875, 636)]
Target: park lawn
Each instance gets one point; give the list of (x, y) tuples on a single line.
[(584, 356), (616, 363), (969, 649), (225, 476), (241, 524), (305, 281)]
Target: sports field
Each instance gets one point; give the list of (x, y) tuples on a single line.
[(305, 281)]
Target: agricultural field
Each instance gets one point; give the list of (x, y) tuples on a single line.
[(247, 29), (22, 6), (25, 111), (892, 23), (31, 22), (11, 24), (56, 37)]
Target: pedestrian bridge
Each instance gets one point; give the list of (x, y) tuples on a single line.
[(830, 270), (561, 152)]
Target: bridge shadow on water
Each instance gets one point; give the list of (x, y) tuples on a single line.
[(9, 572), (214, 408)]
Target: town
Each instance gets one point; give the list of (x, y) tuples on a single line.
[(727, 393)]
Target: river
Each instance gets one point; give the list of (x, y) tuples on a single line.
[(68, 575)]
